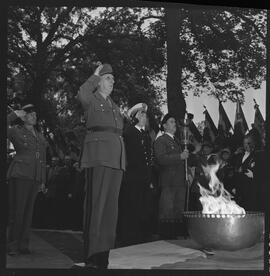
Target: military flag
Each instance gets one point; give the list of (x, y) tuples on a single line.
[(210, 131), (225, 128), (240, 125), (258, 120)]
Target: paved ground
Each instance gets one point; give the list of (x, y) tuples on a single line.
[(56, 249), (51, 249)]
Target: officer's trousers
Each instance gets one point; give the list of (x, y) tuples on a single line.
[(100, 209), (22, 195)]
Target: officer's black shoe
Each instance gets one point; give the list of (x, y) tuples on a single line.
[(93, 261), (88, 266), (91, 265), (103, 259)]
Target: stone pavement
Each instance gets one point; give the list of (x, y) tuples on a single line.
[(51, 249), (54, 249)]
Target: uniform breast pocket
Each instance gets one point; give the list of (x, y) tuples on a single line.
[(97, 149), (21, 168)]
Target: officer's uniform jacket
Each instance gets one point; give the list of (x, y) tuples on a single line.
[(167, 154), (30, 159), (101, 148), (139, 150)]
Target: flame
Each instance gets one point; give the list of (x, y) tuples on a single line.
[(217, 200)]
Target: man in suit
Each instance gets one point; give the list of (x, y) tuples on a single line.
[(103, 157), (170, 159), (135, 204), (245, 164), (26, 176)]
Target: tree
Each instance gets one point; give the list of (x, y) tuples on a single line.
[(55, 50), (221, 51), (224, 47)]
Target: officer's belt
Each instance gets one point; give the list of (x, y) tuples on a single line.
[(106, 129)]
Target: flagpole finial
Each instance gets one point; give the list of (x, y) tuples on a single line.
[(204, 106)]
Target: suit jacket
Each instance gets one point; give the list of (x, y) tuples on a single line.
[(30, 159), (167, 153), (248, 164), (246, 190), (101, 148)]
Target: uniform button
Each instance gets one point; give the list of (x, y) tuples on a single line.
[(101, 105)]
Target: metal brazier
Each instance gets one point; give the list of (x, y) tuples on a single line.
[(225, 232)]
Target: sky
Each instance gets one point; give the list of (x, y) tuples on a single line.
[(195, 106)]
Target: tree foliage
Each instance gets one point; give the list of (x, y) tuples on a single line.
[(53, 50), (224, 51)]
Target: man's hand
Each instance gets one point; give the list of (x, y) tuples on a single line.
[(20, 113), (42, 188), (198, 146), (100, 66), (184, 155), (249, 174)]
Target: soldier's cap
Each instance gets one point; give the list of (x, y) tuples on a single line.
[(106, 69), (28, 108), (136, 108)]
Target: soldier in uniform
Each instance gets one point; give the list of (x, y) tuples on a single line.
[(135, 204), (170, 159), (103, 157), (26, 176)]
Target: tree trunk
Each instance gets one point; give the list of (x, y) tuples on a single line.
[(175, 98)]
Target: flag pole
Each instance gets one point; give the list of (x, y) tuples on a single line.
[(186, 123)]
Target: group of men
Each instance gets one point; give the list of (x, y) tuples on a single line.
[(119, 167)]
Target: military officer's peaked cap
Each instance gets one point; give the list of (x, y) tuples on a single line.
[(106, 69), (28, 108), (138, 107)]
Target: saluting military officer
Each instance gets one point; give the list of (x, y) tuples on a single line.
[(26, 176), (103, 157)]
